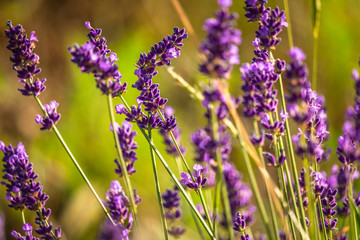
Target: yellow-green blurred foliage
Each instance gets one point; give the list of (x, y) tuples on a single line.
[(131, 27)]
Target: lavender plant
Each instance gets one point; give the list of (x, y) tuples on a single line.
[(306, 204)]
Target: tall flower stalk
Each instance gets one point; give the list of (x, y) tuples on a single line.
[(26, 65)]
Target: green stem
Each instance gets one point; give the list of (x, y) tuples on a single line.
[(23, 216), (228, 216), (254, 186), (270, 202), (219, 174), (158, 192), (279, 144), (289, 31), (174, 178), (63, 143), (316, 9), (286, 197), (121, 159), (291, 153), (322, 218), (180, 170), (311, 210), (178, 184), (353, 222), (200, 193)]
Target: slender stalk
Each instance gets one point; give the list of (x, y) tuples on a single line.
[(270, 202), (289, 31), (228, 216), (322, 218), (316, 9), (219, 174), (63, 143), (311, 210), (180, 170), (353, 222), (178, 184), (280, 145), (121, 159), (158, 192), (23, 216), (199, 192), (216, 203), (291, 152), (174, 178), (286, 197), (255, 188)]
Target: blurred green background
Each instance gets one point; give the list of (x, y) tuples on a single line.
[(131, 27)]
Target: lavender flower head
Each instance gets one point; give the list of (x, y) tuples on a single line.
[(220, 47), (160, 54), (270, 22), (118, 204), (170, 146), (239, 193), (27, 228), (51, 117), (259, 97), (196, 181), (315, 127), (23, 192), (127, 145), (171, 203), (92, 57), (348, 144), (25, 60)]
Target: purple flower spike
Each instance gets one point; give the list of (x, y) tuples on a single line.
[(92, 57), (127, 145), (239, 193), (239, 223), (25, 60), (51, 118), (118, 205), (173, 212), (220, 46), (160, 54), (197, 175), (255, 9), (24, 192), (27, 228)]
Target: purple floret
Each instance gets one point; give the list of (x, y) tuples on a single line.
[(51, 117), (198, 181)]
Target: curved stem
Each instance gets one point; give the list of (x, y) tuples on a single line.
[(291, 152), (353, 222), (289, 31), (270, 202), (322, 218), (158, 192), (121, 159), (200, 193), (316, 9), (178, 184), (63, 143), (227, 208), (173, 177)]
